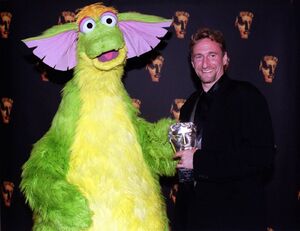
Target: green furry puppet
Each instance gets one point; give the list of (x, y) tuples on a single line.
[(97, 167)]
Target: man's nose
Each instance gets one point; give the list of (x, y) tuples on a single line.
[(205, 62)]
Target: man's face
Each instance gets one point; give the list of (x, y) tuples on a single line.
[(5, 20), (180, 22), (6, 105), (154, 68), (268, 67), (243, 23), (208, 61), (175, 108)]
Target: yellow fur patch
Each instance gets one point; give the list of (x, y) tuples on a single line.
[(106, 159)]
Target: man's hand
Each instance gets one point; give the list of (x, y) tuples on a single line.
[(185, 158)]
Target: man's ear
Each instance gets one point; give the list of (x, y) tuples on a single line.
[(225, 59), (56, 47), (192, 63)]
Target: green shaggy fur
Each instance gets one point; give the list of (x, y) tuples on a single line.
[(44, 176)]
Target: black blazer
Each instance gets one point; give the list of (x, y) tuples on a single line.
[(237, 151)]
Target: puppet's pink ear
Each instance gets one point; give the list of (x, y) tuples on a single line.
[(58, 50), (141, 37)]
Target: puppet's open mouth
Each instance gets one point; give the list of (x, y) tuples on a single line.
[(107, 56)]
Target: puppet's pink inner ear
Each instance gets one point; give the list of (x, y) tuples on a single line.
[(58, 51), (141, 37)]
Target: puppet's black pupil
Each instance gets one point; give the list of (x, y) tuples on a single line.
[(89, 25), (109, 20)]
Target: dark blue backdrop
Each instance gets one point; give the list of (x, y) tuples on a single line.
[(274, 31)]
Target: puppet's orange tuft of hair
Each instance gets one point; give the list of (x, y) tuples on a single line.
[(94, 11)]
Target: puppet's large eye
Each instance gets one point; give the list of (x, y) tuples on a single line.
[(87, 25), (108, 19)]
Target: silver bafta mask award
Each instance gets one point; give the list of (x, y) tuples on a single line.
[(183, 136)]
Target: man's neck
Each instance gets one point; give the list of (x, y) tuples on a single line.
[(207, 86)]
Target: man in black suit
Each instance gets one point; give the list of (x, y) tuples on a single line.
[(235, 150)]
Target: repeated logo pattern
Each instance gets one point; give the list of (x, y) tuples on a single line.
[(66, 17), (180, 21), (243, 23), (268, 66), (175, 108), (7, 189), (5, 20), (154, 67), (137, 104), (6, 107)]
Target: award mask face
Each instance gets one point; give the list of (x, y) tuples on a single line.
[(268, 66), (180, 22), (66, 17), (7, 190), (6, 106), (243, 22), (175, 108), (183, 136), (154, 68), (5, 20)]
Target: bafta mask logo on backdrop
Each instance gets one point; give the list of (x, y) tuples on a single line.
[(42, 69), (6, 106), (268, 67), (7, 189), (5, 18), (173, 193), (137, 104), (180, 21), (66, 17), (243, 22), (154, 67), (175, 108)]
